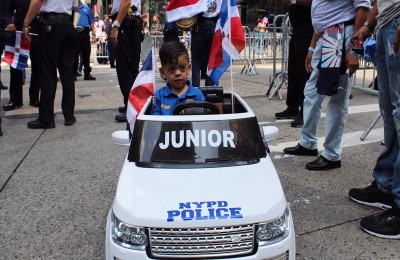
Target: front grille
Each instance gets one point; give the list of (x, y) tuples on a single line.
[(201, 242)]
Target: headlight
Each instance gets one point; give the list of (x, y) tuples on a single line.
[(274, 231), (127, 236)]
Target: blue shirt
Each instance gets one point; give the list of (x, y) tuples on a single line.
[(166, 100), (86, 18)]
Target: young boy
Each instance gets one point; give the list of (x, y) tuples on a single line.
[(175, 68)]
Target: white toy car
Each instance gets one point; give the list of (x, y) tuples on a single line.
[(199, 187)]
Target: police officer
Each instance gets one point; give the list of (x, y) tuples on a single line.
[(126, 37), (17, 12), (4, 7), (86, 22), (57, 48), (202, 37)]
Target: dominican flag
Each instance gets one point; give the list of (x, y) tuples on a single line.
[(142, 89), (17, 51), (228, 40), (180, 9)]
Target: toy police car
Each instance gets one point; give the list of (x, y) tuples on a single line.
[(199, 187)]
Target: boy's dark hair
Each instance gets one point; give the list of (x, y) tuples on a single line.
[(170, 51)]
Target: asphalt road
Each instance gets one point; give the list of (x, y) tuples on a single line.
[(57, 185)]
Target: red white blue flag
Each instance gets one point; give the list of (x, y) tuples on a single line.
[(180, 9), (17, 50), (142, 89), (228, 40)]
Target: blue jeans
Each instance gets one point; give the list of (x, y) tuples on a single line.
[(387, 168), (336, 113)]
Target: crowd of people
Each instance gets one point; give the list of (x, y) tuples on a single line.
[(310, 79)]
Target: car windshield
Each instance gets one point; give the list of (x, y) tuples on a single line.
[(196, 144)]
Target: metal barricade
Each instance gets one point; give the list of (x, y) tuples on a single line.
[(101, 49), (248, 66), (277, 79)]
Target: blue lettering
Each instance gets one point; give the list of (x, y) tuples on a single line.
[(172, 214), (187, 214), (198, 204), (220, 215), (184, 205), (211, 212), (198, 215), (210, 204), (235, 212), (222, 204)]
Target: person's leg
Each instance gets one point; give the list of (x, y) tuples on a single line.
[(16, 87), (85, 51), (393, 72), (128, 57), (337, 110), (312, 104), (207, 49), (65, 67), (50, 48), (291, 97), (387, 169), (197, 55), (34, 87)]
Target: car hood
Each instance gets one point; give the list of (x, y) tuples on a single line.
[(200, 197)]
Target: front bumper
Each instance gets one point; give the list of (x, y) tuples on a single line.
[(285, 249)]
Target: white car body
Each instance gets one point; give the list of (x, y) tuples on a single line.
[(201, 212)]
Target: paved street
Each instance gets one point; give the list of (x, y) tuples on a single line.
[(57, 185)]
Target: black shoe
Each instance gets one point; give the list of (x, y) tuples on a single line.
[(70, 122), (372, 196), (322, 164), (120, 118), (298, 121), (1, 133), (89, 77), (300, 150), (3, 87), (112, 66), (78, 73), (288, 113), (12, 106), (37, 124), (34, 103), (122, 109), (384, 225)]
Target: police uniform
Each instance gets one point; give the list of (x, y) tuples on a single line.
[(57, 50), (202, 37), (34, 56), (128, 48), (166, 100), (83, 47), (4, 7), (17, 10)]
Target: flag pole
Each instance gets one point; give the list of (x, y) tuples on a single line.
[(228, 4)]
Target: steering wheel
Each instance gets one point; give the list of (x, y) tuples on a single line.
[(196, 108)]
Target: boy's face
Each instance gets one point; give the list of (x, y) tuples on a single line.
[(177, 74)]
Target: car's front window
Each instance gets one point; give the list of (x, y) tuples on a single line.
[(199, 143)]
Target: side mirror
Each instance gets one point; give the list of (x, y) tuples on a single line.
[(270, 133), (121, 137)]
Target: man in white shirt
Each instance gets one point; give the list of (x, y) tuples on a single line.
[(57, 47)]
